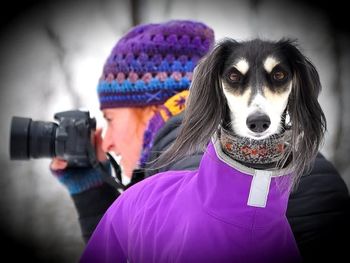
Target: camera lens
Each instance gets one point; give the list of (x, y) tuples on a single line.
[(31, 139), (19, 148)]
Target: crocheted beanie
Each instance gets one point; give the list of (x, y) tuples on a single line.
[(152, 62)]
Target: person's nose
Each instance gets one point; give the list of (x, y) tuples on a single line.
[(107, 142)]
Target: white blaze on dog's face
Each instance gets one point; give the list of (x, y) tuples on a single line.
[(257, 89)]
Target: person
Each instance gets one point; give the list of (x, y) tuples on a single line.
[(144, 82), (140, 129)]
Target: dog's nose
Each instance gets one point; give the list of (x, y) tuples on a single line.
[(258, 122)]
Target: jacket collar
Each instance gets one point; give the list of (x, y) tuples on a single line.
[(238, 194)]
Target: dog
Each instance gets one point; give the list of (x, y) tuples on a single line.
[(256, 89)]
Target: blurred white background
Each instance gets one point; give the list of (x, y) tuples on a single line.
[(52, 54)]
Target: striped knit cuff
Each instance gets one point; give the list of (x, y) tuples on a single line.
[(78, 180)]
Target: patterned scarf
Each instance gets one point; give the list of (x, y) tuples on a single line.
[(246, 150), (172, 107)]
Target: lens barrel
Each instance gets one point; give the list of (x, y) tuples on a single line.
[(42, 139), (31, 139), (19, 133)]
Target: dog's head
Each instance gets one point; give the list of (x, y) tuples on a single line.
[(250, 87), (256, 81)]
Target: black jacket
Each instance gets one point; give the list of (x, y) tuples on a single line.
[(318, 210)]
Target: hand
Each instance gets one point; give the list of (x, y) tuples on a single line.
[(58, 164), (76, 179), (80, 179)]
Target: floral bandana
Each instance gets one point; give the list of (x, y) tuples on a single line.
[(252, 151)]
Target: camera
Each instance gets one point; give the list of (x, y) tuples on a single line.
[(69, 139)]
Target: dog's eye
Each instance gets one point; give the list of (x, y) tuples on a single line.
[(234, 77), (279, 75)]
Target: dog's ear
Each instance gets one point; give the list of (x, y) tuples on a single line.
[(307, 117), (206, 105)]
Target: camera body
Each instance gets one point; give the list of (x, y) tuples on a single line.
[(73, 136), (69, 139)]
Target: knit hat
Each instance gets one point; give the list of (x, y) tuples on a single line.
[(152, 62)]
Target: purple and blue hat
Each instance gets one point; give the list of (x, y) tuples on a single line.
[(152, 62)]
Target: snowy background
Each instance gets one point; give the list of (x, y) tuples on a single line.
[(52, 53)]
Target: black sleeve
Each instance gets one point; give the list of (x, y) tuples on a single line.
[(319, 214), (91, 205)]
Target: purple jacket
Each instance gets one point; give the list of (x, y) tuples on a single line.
[(222, 212)]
